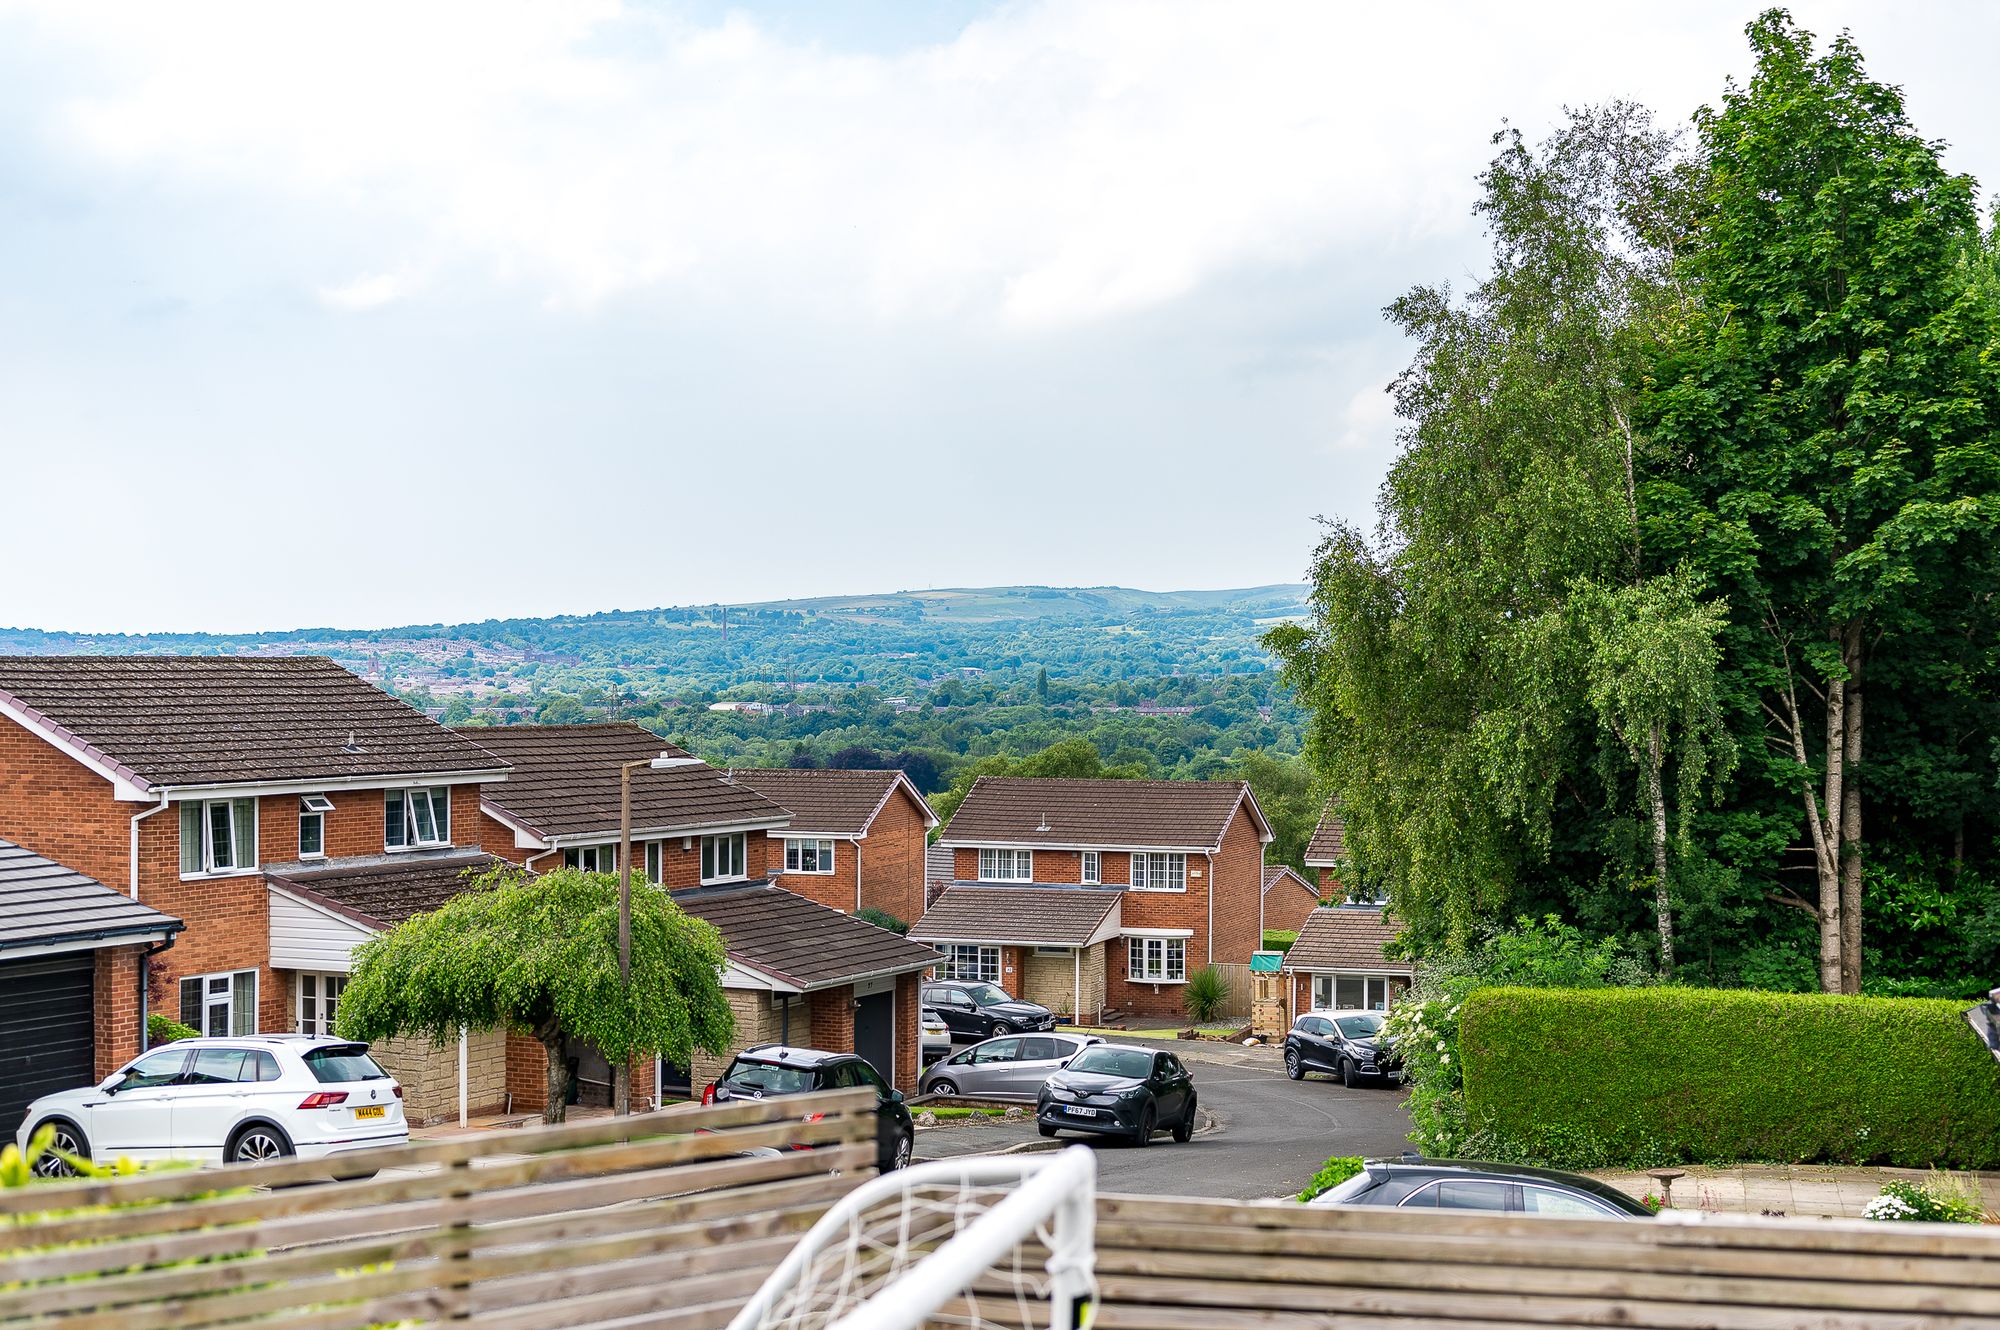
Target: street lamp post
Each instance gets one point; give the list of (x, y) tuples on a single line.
[(621, 1075)]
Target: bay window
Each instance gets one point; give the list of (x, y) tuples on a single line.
[(416, 819), (1159, 872), (1156, 960), (969, 963), (1006, 865), (218, 836)]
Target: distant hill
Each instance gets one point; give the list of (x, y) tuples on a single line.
[(1003, 604)]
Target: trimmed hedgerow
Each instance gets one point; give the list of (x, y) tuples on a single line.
[(1585, 1077)]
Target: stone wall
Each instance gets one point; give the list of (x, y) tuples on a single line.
[(1051, 981), (429, 1075)]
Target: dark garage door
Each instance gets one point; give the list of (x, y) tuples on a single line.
[(875, 1032), (46, 1038)]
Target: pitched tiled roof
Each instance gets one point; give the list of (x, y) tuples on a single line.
[(44, 904), (1345, 937), (1277, 873), (1329, 840), (382, 890), (564, 782), (1108, 814), (800, 942), (833, 803), (939, 864), (214, 720), (1023, 916)]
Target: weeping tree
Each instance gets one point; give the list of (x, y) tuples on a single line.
[(1498, 633), (539, 955)]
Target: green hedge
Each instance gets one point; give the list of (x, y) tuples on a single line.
[(1589, 1077)]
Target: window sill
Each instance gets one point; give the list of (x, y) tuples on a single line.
[(804, 872), (1155, 982), (220, 873), (724, 881), (318, 854), (1158, 891), (421, 845)]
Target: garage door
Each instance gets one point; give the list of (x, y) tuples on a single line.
[(875, 1032), (46, 1038)]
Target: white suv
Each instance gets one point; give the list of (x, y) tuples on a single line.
[(226, 1101)]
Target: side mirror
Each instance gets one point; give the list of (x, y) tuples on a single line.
[(895, 1096)]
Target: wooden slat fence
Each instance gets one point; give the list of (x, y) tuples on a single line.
[(657, 1220)]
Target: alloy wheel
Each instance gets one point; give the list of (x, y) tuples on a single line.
[(258, 1146), (53, 1165)]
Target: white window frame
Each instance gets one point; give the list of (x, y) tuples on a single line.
[(1156, 960), (241, 1018), (436, 801), (1326, 989), (313, 808), (318, 992), (1171, 869), (605, 857), (204, 811), (984, 963), (1091, 872), (796, 848), (712, 867), (656, 861), (996, 865)]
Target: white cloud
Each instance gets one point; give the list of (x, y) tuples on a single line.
[(365, 293)]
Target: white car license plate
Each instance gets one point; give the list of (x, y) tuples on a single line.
[(1074, 1111)]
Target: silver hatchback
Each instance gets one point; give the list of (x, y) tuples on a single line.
[(1012, 1066)]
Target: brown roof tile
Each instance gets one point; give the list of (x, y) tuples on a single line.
[(1108, 814), (798, 941), (382, 890), (1024, 916), (1342, 937), (214, 720), (564, 782), (1329, 840), (44, 904), (830, 802), (1277, 873)]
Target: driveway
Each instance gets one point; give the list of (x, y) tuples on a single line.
[(1272, 1134)]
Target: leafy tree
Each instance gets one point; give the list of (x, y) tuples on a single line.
[(1285, 790), (1824, 410), (540, 955)]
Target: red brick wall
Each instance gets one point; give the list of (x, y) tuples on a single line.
[(892, 858), (62, 810), (1330, 888), (832, 1019), (115, 976), (1288, 906), (527, 1073), (907, 1048), (1239, 891), (1114, 866), (834, 890)]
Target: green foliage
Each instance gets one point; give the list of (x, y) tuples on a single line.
[(1331, 1174), (1075, 759), (1585, 1077), (165, 1030), (1205, 995), (17, 1166), (539, 955), (1290, 798), (882, 919), (1279, 939), (1932, 1202)]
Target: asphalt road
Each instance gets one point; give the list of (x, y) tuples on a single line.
[(1273, 1134)]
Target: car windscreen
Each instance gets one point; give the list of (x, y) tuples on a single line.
[(986, 995), (342, 1063), (1114, 1062), (768, 1078), (1364, 1026)]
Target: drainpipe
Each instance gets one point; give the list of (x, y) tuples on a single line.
[(529, 863), (461, 1076), (137, 818), (857, 877), (144, 974), (1208, 947), (1076, 985)]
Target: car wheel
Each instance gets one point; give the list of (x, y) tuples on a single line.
[(1148, 1122), (69, 1139), (944, 1085), (1045, 1129), (1001, 1027), (902, 1156), (1347, 1072), (1184, 1129), (258, 1144), (1293, 1067)]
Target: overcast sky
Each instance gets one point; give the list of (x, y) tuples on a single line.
[(404, 313)]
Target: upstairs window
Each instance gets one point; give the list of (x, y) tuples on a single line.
[(723, 858), (1093, 868), (808, 856), (1006, 865), (592, 858), (1159, 872), (218, 836), (656, 861), (418, 818), (313, 809)]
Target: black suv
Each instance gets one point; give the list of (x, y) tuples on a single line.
[(1413, 1183), (1350, 1044), (779, 1069), (973, 1009)]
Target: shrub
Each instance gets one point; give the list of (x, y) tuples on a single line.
[(1582, 1078), (1206, 994), (1331, 1174), (165, 1030), (1924, 1203), (1279, 939), (882, 919)]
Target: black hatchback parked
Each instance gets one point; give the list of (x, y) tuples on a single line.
[(772, 1070), (1349, 1044)]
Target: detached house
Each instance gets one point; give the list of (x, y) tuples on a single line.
[(856, 839), (1288, 898), (1088, 895), (797, 969), (215, 790)]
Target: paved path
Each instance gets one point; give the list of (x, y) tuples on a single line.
[(1272, 1134)]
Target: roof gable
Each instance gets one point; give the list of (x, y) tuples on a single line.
[(829, 801), (228, 720), (1343, 937), (1329, 840), (1188, 815), (1277, 875)]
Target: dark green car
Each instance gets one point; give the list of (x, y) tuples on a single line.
[(1119, 1090)]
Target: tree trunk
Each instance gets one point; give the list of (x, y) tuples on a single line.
[(1662, 903), (1850, 815), (1826, 837), (556, 1107)]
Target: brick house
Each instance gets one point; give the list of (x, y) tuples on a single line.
[(716, 844), (1288, 898), (72, 997), (856, 840), (1326, 853), (1340, 962), (1185, 860), (195, 782)]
